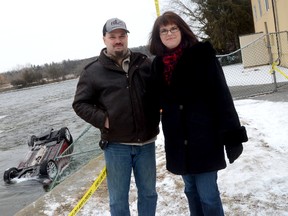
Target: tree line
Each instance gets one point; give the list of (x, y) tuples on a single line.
[(41, 74), (47, 73)]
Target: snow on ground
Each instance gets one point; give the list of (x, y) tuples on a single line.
[(255, 184), (237, 75)]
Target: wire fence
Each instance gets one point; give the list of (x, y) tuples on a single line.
[(260, 67)]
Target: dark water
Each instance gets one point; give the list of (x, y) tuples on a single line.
[(22, 114)]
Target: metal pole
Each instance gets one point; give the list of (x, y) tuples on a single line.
[(270, 56)]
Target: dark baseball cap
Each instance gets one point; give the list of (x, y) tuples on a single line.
[(113, 24)]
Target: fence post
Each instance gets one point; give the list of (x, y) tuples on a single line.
[(270, 56)]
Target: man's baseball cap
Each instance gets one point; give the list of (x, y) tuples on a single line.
[(113, 24)]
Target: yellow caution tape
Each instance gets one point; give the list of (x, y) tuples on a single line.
[(157, 7), (275, 68), (89, 193)]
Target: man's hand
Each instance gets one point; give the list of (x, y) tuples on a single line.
[(106, 125)]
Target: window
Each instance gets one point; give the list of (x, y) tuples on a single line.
[(260, 9), (266, 4)]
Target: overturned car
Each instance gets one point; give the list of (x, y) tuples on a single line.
[(49, 153)]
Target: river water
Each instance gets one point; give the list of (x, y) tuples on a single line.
[(24, 113)]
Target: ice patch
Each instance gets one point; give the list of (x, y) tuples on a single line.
[(2, 116)]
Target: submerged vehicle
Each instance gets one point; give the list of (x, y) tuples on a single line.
[(49, 153)]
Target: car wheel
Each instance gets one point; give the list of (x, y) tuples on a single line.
[(49, 168), (9, 174), (32, 140), (65, 134)]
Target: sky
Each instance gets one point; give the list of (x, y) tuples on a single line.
[(35, 32), (255, 184)]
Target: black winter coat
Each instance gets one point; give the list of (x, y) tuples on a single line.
[(128, 100), (198, 113)]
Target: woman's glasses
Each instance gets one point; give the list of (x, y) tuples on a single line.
[(173, 30)]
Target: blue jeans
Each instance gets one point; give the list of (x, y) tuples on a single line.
[(120, 161), (203, 195)]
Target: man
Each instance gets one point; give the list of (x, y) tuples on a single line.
[(116, 93)]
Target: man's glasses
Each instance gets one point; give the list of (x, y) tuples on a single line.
[(172, 30)]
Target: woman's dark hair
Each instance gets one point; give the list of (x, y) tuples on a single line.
[(156, 47)]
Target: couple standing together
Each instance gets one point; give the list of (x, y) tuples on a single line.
[(122, 92)]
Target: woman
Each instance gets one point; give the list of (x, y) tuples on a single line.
[(198, 114)]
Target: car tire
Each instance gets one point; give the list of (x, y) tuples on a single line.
[(32, 140), (49, 168), (9, 174), (65, 134)]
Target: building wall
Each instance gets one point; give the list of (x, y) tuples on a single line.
[(282, 7), (263, 14), (254, 50)]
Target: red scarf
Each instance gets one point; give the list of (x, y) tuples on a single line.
[(170, 60)]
